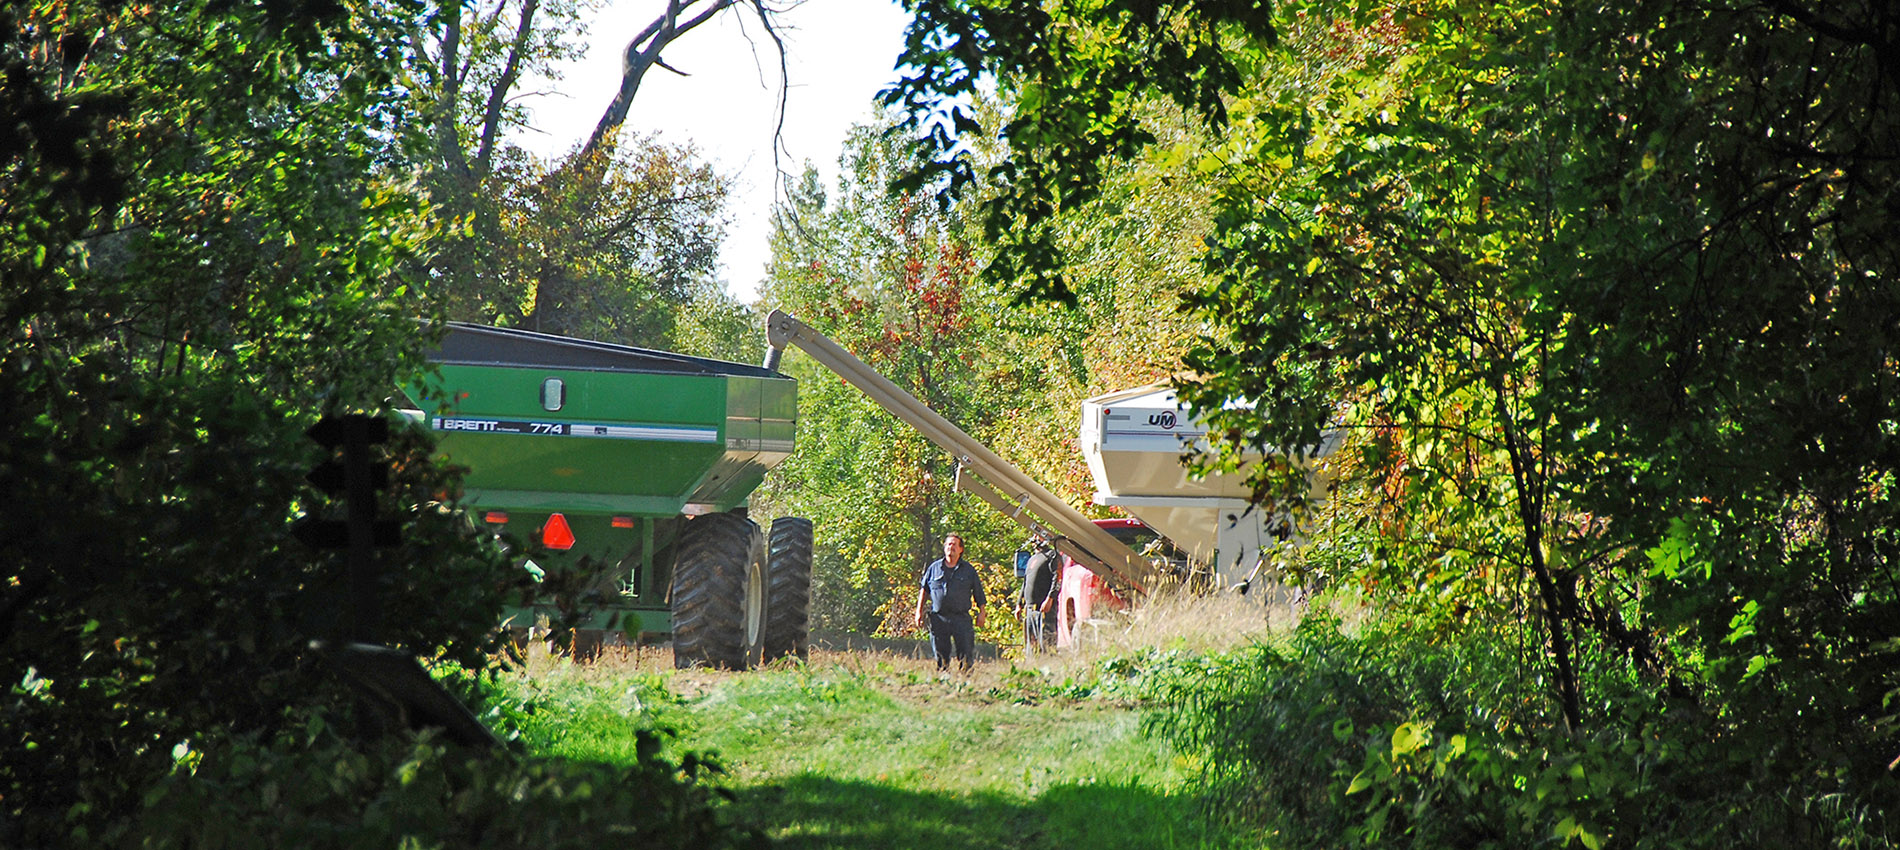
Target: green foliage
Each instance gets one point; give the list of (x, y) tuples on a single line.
[(309, 789), (609, 245), (1517, 296), (1601, 295), (610, 250), (1385, 272), (223, 266), (843, 600), (715, 324), (886, 754), (1755, 474), (890, 280), (1076, 74), (1393, 738)]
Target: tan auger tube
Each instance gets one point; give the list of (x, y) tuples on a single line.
[(1004, 487)]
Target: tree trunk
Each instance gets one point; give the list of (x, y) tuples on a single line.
[(448, 122), (1557, 591), (498, 93)]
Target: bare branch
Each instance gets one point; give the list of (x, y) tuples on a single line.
[(784, 97), (642, 53)]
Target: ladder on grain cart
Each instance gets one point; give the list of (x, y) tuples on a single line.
[(979, 471)]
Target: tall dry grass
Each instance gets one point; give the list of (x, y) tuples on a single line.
[(1172, 618)]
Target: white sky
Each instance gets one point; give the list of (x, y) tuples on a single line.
[(840, 53)]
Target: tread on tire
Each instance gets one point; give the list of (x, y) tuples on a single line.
[(788, 560), (720, 599)]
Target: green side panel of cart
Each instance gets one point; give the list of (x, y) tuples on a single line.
[(544, 422), (621, 442)]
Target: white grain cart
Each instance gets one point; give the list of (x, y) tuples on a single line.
[(1134, 442)]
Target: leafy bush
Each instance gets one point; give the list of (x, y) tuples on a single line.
[(194, 274), (309, 789), (1401, 738), (192, 612), (574, 710)]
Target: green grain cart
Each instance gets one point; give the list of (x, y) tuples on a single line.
[(632, 469)]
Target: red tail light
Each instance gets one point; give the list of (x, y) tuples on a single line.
[(623, 522), (556, 535), (496, 517)]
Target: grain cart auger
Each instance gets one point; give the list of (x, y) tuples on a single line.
[(631, 469), (979, 471)]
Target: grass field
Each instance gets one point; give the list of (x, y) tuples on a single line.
[(864, 750)]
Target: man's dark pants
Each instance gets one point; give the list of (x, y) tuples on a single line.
[(953, 631)]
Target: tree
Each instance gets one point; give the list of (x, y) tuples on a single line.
[(644, 50), (1600, 285), (1731, 352), (888, 277), (1388, 278), (611, 257), (1073, 78), (715, 324), (201, 259), (1130, 256), (607, 243)]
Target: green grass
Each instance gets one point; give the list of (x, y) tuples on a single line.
[(856, 752)]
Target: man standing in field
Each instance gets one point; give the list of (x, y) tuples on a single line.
[(1039, 597), (949, 592)]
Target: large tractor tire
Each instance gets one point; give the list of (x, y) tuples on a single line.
[(720, 598), (788, 560)]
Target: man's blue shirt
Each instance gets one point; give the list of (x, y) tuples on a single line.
[(952, 589)]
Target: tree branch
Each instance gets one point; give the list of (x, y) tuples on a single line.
[(641, 53), (498, 93), (448, 118)]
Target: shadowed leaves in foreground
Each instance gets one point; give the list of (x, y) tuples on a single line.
[(811, 811)]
